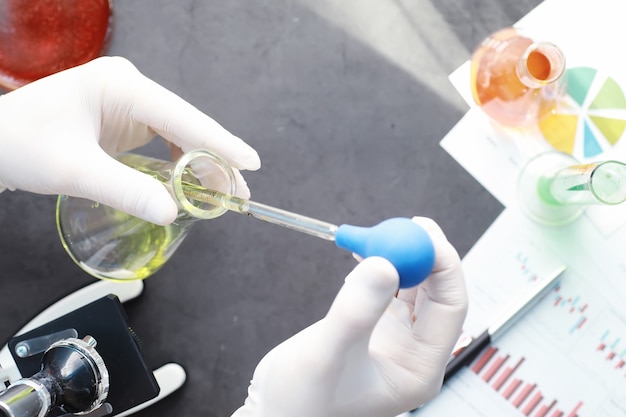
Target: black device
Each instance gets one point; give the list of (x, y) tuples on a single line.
[(104, 321)]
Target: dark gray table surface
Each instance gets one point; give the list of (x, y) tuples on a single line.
[(347, 133)]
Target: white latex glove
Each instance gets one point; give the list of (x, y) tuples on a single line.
[(57, 135), (374, 354)]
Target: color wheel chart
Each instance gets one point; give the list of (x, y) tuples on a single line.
[(591, 119)]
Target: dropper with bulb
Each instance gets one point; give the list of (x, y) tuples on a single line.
[(401, 241), (112, 245)]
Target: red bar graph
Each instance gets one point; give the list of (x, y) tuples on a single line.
[(524, 395), (504, 376), (532, 404), (574, 412), (545, 409), (494, 368), (513, 386), (485, 357)]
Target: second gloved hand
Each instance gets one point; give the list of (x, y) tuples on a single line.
[(58, 134), (375, 354)]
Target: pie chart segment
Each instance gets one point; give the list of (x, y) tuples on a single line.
[(610, 96), (592, 117), (611, 129), (578, 83), (561, 129), (591, 145)]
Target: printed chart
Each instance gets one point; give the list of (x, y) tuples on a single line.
[(603, 351), (565, 358), (591, 119), (526, 396), (611, 350), (573, 307), (497, 277)]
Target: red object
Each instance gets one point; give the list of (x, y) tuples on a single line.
[(41, 37)]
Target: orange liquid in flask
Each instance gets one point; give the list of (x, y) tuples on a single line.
[(515, 80)]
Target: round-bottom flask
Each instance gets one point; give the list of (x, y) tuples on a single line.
[(515, 80), (110, 244)]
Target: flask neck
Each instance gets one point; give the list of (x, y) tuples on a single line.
[(541, 64), (190, 179), (187, 179)]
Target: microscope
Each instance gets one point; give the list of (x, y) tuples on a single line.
[(79, 357)]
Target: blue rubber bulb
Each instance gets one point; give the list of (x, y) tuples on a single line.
[(399, 240)]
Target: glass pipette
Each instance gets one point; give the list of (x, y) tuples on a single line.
[(264, 212), (401, 241)]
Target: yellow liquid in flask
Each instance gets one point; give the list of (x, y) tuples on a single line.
[(114, 245), (110, 244)]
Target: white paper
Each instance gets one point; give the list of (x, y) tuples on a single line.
[(571, 348), (556, 345)]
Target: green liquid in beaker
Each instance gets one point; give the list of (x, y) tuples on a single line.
[(544, 185)]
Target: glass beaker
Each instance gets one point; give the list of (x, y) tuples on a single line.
[(515, 80), (110, 244), (554, 188)]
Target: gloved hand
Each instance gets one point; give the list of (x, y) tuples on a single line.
[(57, 135), (373, 355)]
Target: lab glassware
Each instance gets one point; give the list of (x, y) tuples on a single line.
[(110, 244), (40, 38), (554, 188), (516, 80)]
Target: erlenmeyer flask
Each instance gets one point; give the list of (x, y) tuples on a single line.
[(515, 80), (110, 244)]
